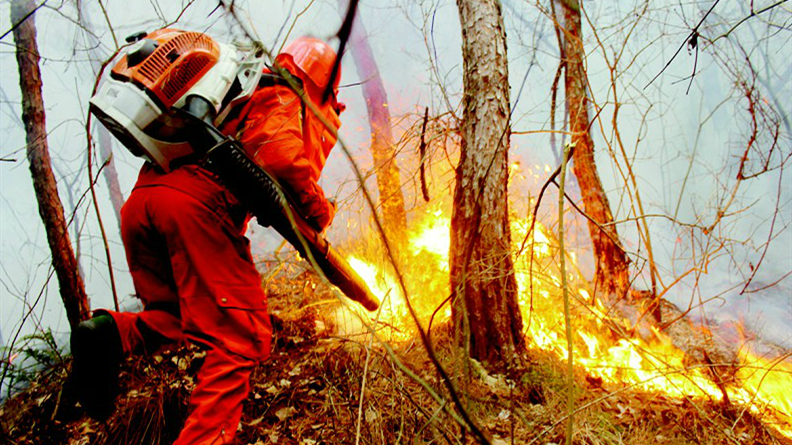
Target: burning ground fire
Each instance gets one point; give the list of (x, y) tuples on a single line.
[(652, 364)]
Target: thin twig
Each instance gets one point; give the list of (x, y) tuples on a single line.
[(693, 32), (365, 375), (744, 19), (95, 200), (422, 153), (343, 36), (27, 16), (694, 43), (565, 293), (109, 24), (550, 180)]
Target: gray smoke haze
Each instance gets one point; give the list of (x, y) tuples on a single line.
[(684, 148)]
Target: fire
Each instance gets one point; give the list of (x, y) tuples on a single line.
[(386, 288), (650, 364), (767, 383), (433, 238)]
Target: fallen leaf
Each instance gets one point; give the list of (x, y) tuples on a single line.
[(198, 354), (499, 441), (180, 363), (285, 413)]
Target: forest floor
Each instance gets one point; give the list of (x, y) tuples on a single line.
[(309, 392)]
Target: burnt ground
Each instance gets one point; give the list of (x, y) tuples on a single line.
[(309, 392)]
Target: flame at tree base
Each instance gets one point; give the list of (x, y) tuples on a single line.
[(651, 364)]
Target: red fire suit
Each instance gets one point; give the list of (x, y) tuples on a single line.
[(290, 141), (191, 263)]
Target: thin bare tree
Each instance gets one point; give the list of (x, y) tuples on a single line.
[(72, 289), (612, 265), (383, 149), (105, 142)]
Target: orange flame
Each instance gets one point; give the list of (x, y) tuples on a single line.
[(653, 364)]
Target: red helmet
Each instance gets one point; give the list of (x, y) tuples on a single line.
[(315, 58)]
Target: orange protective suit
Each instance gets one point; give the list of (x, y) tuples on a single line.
[(289, 141), (191, 263)]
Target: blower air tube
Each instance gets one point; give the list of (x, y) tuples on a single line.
[(260, 192)]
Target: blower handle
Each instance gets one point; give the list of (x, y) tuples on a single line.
[(255, 188)]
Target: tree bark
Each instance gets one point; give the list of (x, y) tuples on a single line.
[(72, 289), (383, 151), (485, 308), (612, 266)]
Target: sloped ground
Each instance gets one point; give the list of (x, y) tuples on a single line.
[(309, 392)]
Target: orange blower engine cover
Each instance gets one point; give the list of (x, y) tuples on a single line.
[(180, 59)]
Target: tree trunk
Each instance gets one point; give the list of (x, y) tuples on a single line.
[(104, 140), (485, 308), (72, 289), (612, 266), (110, 173), (391, 199)]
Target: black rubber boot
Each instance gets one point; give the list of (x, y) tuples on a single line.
[(96, 348)]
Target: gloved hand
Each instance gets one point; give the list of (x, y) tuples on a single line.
[(331, 215), (321, 221)]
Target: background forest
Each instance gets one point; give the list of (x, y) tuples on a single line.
[(680, 286)]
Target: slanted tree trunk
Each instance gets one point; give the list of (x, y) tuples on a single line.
[(104, 140), (612, 266), (110, 173), (485, 309), (391, 199), (72, 289)]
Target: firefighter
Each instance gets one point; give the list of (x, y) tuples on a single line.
[(190, 261)]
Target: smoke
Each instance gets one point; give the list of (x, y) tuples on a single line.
[(683, 148)]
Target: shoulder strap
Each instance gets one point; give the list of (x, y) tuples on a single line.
[(270, 78)]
